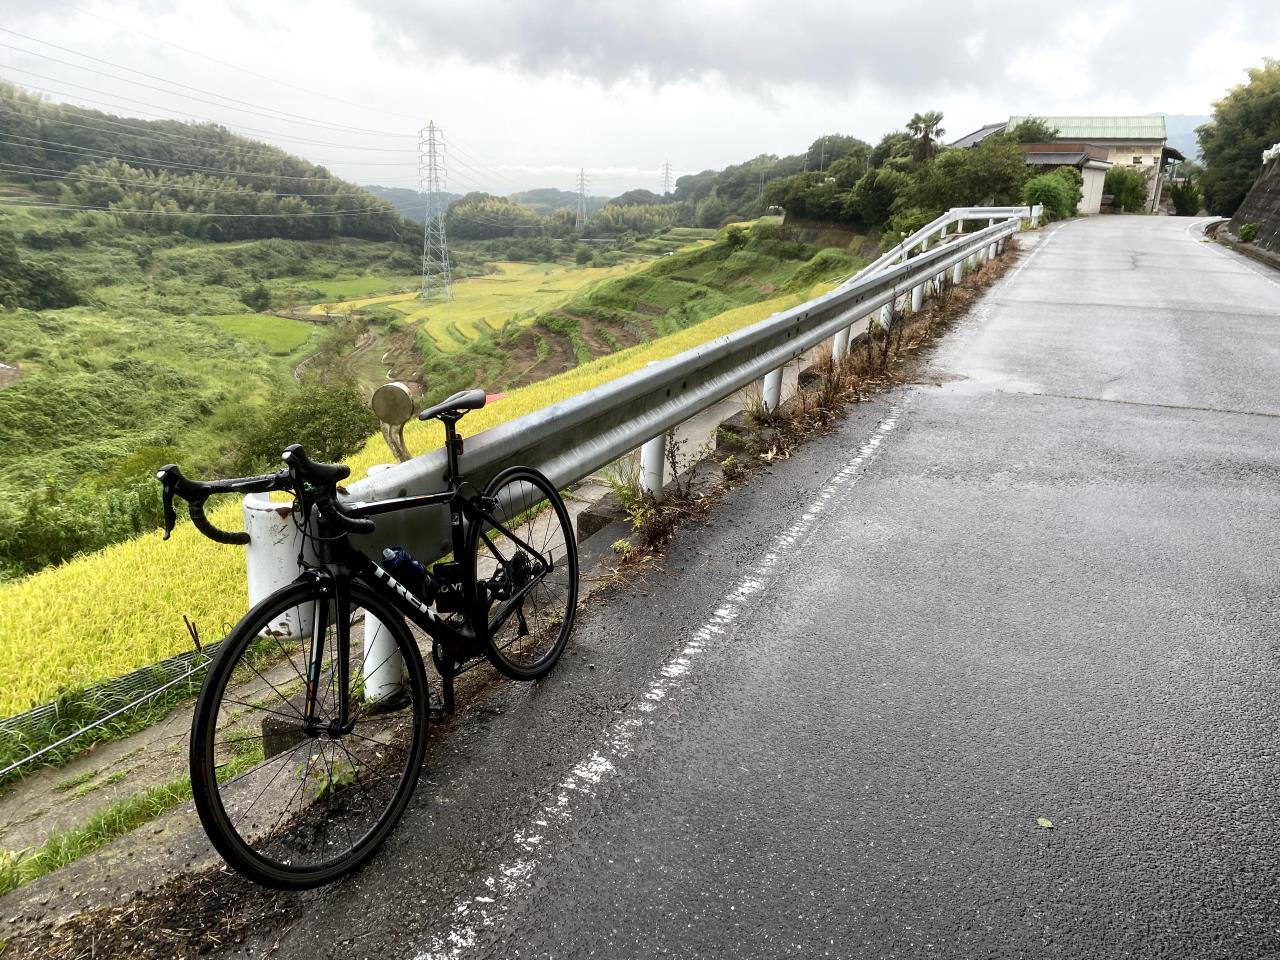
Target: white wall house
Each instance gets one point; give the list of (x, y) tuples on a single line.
[(1139, 142)]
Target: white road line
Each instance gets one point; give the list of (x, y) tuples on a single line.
[(486, 909), (1240, 260)]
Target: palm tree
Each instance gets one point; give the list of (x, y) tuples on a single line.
[(925, 130)]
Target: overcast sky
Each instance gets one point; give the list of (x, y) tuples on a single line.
[(527, 92)]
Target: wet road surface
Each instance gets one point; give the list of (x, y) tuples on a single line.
[(1043, 588)]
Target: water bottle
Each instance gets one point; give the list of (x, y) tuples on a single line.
[(402, 565)]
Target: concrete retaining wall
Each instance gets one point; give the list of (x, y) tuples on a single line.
[(1262, 206)]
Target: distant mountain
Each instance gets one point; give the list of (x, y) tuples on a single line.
[(543, 200), (547, 200), (410, 203), (1181, 130)]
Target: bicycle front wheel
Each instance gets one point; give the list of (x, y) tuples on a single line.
[(526, 563), (294, 802)]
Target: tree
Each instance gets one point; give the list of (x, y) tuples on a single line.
[(256, 298), (324, 412), (925, 129), (990, 173), (1128, 188), (872, 200), (1031, 130), (1245, 122), (826, 150), (1187, 198), (637, 197), (893, 145)]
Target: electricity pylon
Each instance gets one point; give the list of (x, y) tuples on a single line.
[(437, 284), (666, 178), (580, 220)]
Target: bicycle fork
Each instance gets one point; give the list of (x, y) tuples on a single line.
[(312, 723)]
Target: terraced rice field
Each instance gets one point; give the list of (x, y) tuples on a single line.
[(515, 293)]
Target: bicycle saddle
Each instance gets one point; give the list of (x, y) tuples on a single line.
[(455, 406)]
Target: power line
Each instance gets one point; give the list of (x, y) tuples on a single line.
[(127, 211), (53, 146), (54, 174), (253, 108), (437, 284), (159, 136), (233, 66)]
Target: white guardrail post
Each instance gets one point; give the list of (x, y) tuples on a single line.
[(383, 661), (653, 458), (771, 391)]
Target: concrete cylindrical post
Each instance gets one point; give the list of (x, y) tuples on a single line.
[(958, 274), (917, 297), (840, 345), (653, 456), (383, 661), (772, 390), (271, 558)]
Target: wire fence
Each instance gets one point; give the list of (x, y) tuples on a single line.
[(50, 732)]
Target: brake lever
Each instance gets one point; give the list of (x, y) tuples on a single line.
[(170, 515)]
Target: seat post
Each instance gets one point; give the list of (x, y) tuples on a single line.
[(451, 447)]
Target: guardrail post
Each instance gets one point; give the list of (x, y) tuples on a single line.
[(772, 392), (917, 297), (383, 661), (958, 273), (840, 345), (653, 457)]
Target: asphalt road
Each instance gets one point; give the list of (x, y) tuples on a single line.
[(1043, 586)]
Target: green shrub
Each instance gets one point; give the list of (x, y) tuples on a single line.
[(1248, 232), (1187, 199), (325, 413), (1053, 193), (1128, 188), (1075, 180)]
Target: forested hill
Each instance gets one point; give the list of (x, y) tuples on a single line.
[(410, 204), (166, 176)]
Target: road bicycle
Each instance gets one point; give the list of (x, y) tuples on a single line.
[(310, 729)]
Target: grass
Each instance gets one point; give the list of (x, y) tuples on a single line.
[(280, 335), (65, 846), (363, 286)]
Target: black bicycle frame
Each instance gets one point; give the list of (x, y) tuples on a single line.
[(341, 562)]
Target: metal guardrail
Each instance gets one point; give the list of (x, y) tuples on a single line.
[(938, 230), (575, 437)]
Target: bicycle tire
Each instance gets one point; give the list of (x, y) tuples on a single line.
[(396, 728), (524, 490)]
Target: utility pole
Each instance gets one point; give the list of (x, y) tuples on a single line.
[(822, 156), (580, 220), (666, 178), (437, 283), (762, 185)]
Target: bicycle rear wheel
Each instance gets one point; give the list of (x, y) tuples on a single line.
[(292, 804), (527, 572)]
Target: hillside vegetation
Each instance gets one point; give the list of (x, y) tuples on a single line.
[(166, 176), (122, 607)]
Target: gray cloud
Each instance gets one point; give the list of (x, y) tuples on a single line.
[(906, 47)]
